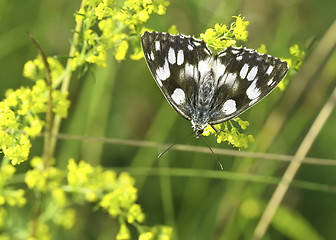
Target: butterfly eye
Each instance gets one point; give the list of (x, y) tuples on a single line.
[(198, 132)]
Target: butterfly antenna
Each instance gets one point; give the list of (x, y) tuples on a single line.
[(160, 155), (219, 163)]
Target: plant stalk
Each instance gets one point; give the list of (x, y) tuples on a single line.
[(66, 82)]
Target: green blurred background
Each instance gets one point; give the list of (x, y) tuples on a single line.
[(187, 190)]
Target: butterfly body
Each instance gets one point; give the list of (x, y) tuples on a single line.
[(203, 102), (205, 88)]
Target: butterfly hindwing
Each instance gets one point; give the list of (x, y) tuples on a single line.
[(174, 62), (243, 78)]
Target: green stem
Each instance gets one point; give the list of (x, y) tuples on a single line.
[(66, 81)]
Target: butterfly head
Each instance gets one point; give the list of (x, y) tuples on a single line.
[(198, 128)]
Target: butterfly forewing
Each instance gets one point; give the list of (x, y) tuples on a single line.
[(243, 77), (174, 63)]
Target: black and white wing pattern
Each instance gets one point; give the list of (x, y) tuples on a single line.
[(173, 62), (243, 77), (204, 88)]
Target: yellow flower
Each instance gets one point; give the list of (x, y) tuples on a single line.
[(146, 236), (29, 70), (143, 16), (59, 196), (173, 30), (121, 50), (124, 233), (262, 49)]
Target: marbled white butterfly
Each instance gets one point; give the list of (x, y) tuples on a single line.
[(205, 88)]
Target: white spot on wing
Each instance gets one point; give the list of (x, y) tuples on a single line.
[(152, 56), (244, 71), (178, 96), (203, 66), (180, 57), (190, 47), (253, 73), (219, 71), (171, 56), (235, 86), (239, 58), (231, 77), (222, 80), (270, 82), (207, 51), (253, 101), (252, 91), (222, 54), (197, 44), (229, 106), (157, 45), (189, 70), (163, 72), (269, 70)]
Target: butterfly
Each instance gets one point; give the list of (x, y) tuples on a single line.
[(205, 88)]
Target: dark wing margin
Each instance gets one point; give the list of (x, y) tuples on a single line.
[(173, 61), (244, 77)]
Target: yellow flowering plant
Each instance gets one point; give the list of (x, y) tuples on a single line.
[(103, 26)]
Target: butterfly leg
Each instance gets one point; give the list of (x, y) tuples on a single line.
[(214, 128)]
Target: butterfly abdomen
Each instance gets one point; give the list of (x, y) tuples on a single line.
[(203, 103), (206, 90)]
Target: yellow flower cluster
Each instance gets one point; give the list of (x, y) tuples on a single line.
[(157, 233), (228, 132), (50, 181), (40, 179), (14, 144), (8, 195), (34, 69), (297, 56), (114, 193), (20, 110), (119, 26), (89, 182), (294, 62), (221, 36), (239, 28)]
